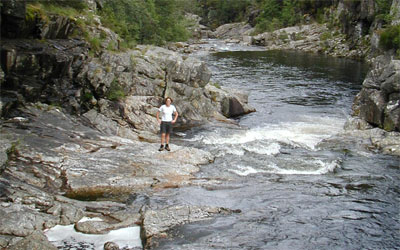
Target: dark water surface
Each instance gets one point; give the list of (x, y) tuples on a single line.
[(297, 184)]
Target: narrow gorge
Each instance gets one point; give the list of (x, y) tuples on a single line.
[(292, 128)]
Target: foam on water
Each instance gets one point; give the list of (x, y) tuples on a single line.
[(315, 167), (322, 168), (246, 170), (272, 149), (62, 236), (305, 134)]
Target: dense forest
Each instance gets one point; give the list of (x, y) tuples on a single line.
[(161, 21)]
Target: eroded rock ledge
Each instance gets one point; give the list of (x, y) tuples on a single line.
[(51, 159)]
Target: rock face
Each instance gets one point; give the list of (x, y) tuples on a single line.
[(157, 223), (379, 100), (59, 156), (394, 11), (315, 38), (77, 123), (61, 72), (233, 31)]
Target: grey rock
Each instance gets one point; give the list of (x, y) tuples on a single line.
[(94, 227), (233, 30), (157, 222), (27, 218), (7, 240), (378, 100), (231, 107), (372, 106), (123, 219), (392, 113), (394, 12), (37, 240), (390, 77), (111, 246), (5, 146), (70, 214)]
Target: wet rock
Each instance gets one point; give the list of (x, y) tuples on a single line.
[(70, 214), (41, 70), (26, 217), (233, 30), (5, 146), (37, 240), (157, 222), (85, 162), (379, 139), (310, 38), (123, 219), (94, 227), (111, 246), (231, 107), (394, 12), (231, 102), (378, 102), (7, 240), (12, 18)]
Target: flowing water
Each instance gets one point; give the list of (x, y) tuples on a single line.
[(297, 185)]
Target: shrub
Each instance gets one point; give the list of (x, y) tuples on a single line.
[(325, 36), (145, 21), (115, 92), (390, 38)]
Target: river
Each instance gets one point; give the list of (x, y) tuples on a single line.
[(297, 184)]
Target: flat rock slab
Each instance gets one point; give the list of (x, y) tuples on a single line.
[(59, 153)]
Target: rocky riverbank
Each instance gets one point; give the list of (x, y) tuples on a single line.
[(78, 124), (78, 128), (50, 159)]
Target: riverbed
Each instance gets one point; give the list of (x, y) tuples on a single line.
[(297, 183)]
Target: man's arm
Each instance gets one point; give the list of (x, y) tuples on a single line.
[(176, 117), (158, 117)]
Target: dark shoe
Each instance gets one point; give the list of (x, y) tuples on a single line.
[(161, 148), (167, 148)]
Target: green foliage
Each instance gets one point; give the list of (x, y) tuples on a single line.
[(86, 97), (325, 36), (390, 38), (277, 14), (145, 21), (70, 8), (95, 43), (383, 10), (115, 92), (218, 12), (215, 84), (290, 12), (283, 36)]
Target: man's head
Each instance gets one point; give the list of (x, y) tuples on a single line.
[(168, 101)]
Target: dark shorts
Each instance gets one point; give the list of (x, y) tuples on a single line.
[(166, 127)]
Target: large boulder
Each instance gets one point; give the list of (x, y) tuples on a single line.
[(379, 100), (41, 71), (37, 240), (394, 12), (12, 18), (233, 30), (147, 75)]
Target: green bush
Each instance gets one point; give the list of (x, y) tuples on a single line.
[(115, 92), (383, 10), (145, 21), (390, 38), (325, 36)]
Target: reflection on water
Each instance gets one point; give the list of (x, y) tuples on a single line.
[(295, 189)]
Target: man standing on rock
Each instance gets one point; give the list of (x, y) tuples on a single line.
[(166, 110)]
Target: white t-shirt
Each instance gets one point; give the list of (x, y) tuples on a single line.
[(166, 112)]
